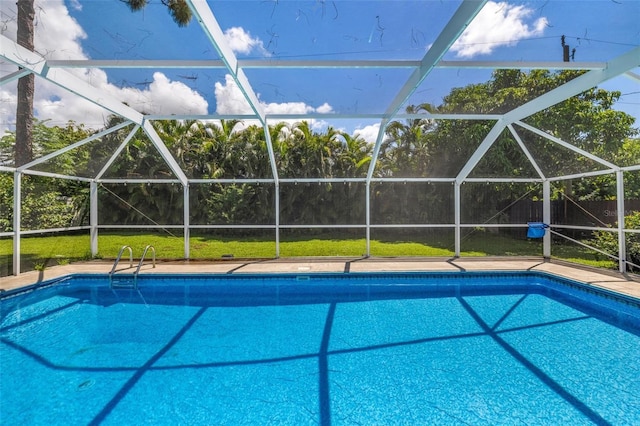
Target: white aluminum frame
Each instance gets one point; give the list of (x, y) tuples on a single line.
[(55, 72)]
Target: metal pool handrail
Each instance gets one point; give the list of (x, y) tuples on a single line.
[(144, 253), (119, 256)]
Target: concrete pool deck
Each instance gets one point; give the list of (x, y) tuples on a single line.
[(610, 280)]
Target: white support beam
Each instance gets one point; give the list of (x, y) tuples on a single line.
[(503, 180), (420, 179), (574, 87), (73, 146), (397, 116), (241, 117), (568, 145), (56, 175), (456, 25), (204, 16), (521, 65), (632, 75), (16, 75), (480, 151), (322, 116), (586, 81), (277, 217), (450, 33), (22, 57), (93, 217), (17, 220), (187, 222), (135, 63), (272, 156), (526, 152), (235, 181), (367, 212), (316, 64), (276, 182), (622, 249), (164, 152), (117, 152), (140, 181), (95, 95), (34, 62), (241, 63), (376, 149), (457, 219), (546, 218), (582, 175)]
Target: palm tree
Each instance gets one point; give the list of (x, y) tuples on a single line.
[(354, 156), (216, 151), (26, 84), (407, 143), (178, 9), (184, 139)]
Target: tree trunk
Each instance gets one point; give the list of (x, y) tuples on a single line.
[(26, 84)]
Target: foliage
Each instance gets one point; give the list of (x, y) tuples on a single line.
[(6, 202), (42, 207), (48, 139), (178, 9), (608, 241), (441, 148), (416, 147), (47, 203)]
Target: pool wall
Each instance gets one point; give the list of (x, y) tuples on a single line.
[(293, 288)]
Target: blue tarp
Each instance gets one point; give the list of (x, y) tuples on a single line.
[(536, 229)]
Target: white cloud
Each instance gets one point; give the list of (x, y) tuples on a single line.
[(59, 36), (325, 108), (241, 41), (8, 101), (368, 133), (230, 100), (319, 125), (287, 108), (76, 4), (58, 110), (497, 24), (162, 96)]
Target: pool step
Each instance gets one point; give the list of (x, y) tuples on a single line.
[(123, 281), (128, 280)]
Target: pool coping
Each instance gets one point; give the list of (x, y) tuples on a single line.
[(609, 280)]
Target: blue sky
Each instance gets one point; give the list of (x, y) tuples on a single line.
[(599, 30)]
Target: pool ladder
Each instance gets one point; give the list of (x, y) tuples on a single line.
[(124, 280)]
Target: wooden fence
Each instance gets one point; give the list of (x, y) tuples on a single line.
[(565, 212)]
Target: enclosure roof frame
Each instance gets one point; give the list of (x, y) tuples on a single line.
[(56, 72)]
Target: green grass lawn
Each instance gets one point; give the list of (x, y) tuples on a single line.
[(42, 251)]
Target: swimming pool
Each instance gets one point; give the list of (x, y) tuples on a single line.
[(413, 348)]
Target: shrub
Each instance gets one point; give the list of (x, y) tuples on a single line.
[(608, 241)]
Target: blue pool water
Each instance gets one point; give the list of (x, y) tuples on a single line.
[(467, 348)]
